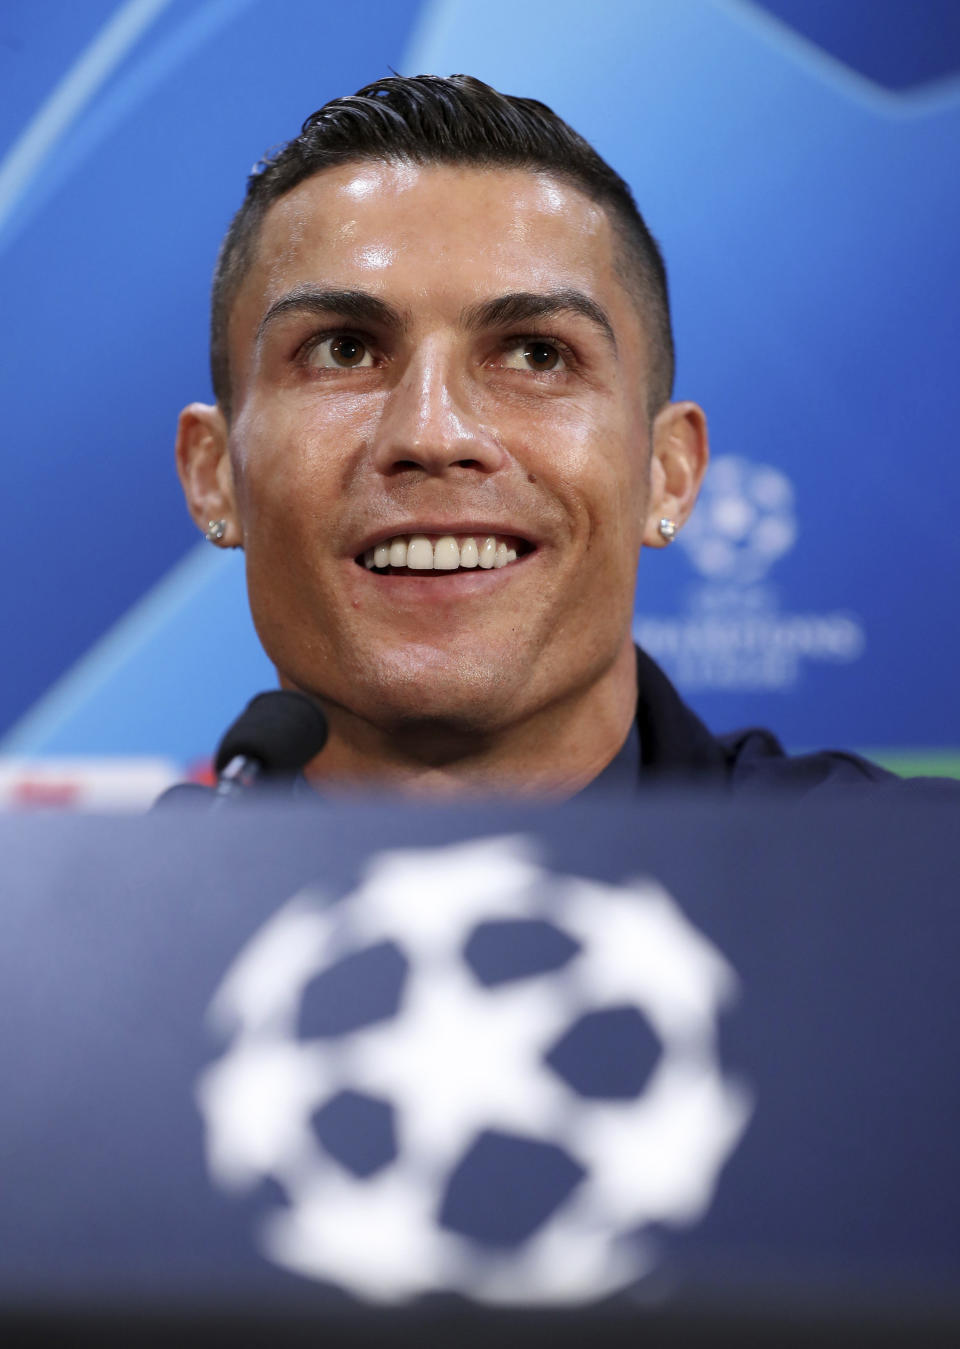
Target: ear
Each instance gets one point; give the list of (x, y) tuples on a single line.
[(679, 455), (206, 475)]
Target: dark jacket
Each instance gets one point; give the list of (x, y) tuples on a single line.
[(675, 746)]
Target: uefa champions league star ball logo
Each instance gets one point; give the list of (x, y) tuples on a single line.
[(508, 1075), (743, 523), (732, 634)]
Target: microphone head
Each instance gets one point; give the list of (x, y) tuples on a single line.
[(281, 730)]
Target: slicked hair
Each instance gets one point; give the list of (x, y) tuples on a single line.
[(425, 119)]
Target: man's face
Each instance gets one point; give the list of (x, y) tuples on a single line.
[(441, 352)]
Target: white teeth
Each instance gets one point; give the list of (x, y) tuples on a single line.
[(488, 552), (446, 554), (420, 553)]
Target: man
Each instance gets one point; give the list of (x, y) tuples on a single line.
[(443, 434)]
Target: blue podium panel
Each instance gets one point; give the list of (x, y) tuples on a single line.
[(595, 1070)]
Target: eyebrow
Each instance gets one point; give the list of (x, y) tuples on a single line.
[(523, 306), (505, 311), (356, 306)]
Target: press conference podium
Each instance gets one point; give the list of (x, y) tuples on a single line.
[(835, 1213)]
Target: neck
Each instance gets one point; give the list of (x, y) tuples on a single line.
[(552, 754)]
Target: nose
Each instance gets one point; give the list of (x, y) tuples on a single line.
[(428, 423)]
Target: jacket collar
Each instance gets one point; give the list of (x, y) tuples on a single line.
[(674, 743)]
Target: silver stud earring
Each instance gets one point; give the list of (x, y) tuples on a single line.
[(667, 530), (215, 531)]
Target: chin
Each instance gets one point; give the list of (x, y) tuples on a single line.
[(457, 694)]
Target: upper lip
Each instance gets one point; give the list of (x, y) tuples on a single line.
[(504, 529)]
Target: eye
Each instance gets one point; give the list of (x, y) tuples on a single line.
[(534, 353), (340, 352)]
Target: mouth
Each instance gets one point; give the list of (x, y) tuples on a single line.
[(435, 555)]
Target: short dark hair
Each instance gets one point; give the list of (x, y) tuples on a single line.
[(424, 119)]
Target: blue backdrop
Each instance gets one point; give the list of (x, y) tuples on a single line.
[(797, 160)]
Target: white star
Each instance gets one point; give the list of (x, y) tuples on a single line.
[(461, 1058)]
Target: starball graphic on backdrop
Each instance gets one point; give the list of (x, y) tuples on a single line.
[(734, 633), (473, 1074)]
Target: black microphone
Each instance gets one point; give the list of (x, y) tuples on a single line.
[(275, 736)]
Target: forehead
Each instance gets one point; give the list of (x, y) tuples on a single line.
[(431, 236)]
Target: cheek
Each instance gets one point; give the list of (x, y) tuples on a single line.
[(253, 445), (286, 468), (601, 472)]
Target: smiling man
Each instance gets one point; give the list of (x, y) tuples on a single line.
[(443, 434)]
